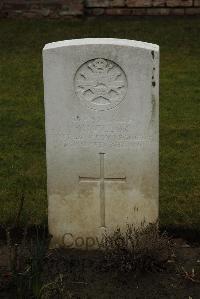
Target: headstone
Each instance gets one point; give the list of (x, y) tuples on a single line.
[(101, 114)]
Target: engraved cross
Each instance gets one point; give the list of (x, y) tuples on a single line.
[(102, 180)]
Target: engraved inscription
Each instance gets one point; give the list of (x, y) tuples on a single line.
[(102, 179), (100, 84), (87, 133)]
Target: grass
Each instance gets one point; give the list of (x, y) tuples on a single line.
[(22, 137)]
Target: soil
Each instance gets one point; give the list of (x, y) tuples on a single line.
[(78, 275)]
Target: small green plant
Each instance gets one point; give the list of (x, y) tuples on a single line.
[(28, 282), (55, 289), (141, 248)]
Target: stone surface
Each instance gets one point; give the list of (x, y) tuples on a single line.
[(159, 3), (118, 12), (196, 2), (69, 8), (97, 3), (139, 3), (177, 11), (101, 114), (192, 11), (138, 11), (158, 11), (179, 3), (95, 11), (104, 3)]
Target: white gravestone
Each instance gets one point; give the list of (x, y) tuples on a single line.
[(102, 142)]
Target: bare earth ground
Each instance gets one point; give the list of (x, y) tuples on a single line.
[(81, 276)]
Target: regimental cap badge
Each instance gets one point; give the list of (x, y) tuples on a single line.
[(101, 84)]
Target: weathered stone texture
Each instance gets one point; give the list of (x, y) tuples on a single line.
[(158, 11), (105, 3), (42, 8), (158, 3), (96, 11), (101, 118), (118, 12), (138, 11), (97, 3), (179, 3), (177, 11), (196, 2), (64, 8), (192, 11), (139, 3)]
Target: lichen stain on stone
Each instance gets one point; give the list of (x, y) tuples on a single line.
[(86, 192), (147, 186), (153, 109), (119, 187), (153, 55)]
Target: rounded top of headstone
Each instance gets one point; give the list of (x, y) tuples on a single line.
[(102, 41)]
